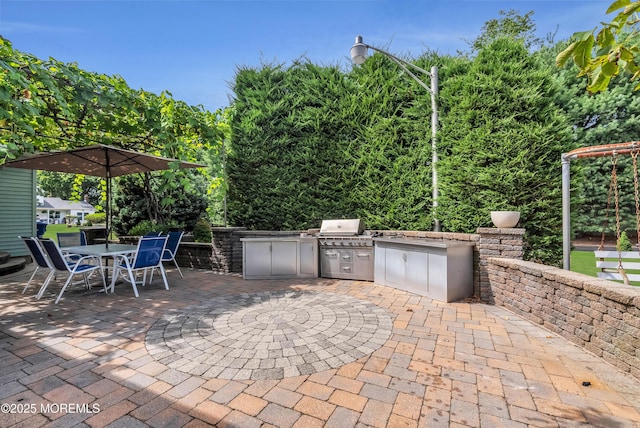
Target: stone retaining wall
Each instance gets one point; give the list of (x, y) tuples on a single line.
[(196, 255), (496, 242), (224, 251), (599, 315)]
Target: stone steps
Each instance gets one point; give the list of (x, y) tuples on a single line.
[(10, 265)]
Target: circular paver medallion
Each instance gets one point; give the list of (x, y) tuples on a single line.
[(269, 335)]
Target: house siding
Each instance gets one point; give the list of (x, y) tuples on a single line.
[(18, 210)]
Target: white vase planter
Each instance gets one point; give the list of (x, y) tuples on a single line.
[(505, 219)]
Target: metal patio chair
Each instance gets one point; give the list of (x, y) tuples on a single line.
[(147, 256), (71, 239), (170, 251), (41, 260), (81, 266)]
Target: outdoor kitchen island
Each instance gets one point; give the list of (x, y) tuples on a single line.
[(273, 257), (439, 269)]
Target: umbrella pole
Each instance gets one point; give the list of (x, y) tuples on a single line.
[(108, 216)]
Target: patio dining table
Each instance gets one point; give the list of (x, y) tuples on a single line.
[(104, 251)]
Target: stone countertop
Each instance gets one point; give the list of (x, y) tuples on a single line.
[(423, 242), (279, 238)]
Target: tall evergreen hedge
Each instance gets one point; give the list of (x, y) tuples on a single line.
[(501, 145), (311, 142), (289, 128), (390, 160)]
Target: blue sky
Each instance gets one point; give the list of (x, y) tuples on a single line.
[(194, 48)]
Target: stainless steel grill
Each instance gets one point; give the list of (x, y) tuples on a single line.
[(346, 250)]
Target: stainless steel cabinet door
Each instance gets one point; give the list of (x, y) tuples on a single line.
[(284, 258), (257, 258)]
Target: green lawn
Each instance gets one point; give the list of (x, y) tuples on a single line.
[(53, 229), (585, 262)]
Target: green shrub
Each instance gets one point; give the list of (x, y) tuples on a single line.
[(202, 231), (169, 226), (624, 243), (132, 205), (146, 226), (96, 218), (143, 228)]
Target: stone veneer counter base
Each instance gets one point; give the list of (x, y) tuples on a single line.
[(269, 335)]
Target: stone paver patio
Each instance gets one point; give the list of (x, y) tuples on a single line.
[(217, 350)]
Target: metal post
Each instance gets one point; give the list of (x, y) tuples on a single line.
[(226, 185), (566, 212), (359, 55), (434, 146), (108, 211)]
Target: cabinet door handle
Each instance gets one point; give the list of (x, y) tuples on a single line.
[(346, 257), (367, 255), (404, 257)]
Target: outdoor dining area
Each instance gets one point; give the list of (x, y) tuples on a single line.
[(71, 257)]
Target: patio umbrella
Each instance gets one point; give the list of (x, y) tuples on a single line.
[(100, 161)]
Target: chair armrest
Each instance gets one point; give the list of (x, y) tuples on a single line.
[(125, 259), (169, 252), (71, 257), (82, 258)]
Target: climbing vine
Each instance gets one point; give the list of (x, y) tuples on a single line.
[(49, 105)]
